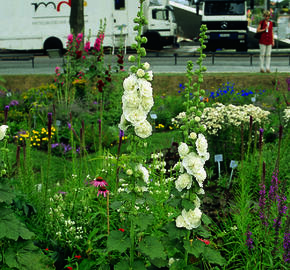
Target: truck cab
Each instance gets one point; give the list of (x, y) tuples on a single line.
[(161, 29), (227, 24)]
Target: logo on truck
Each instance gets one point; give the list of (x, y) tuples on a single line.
[(37, 5)]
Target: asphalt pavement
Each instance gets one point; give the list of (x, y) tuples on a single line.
[(164, 62)]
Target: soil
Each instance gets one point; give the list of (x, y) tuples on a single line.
[(169, 83)]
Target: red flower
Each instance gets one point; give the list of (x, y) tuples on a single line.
[(46, 249), (70, 268), (78, 256), (207, 242), (121, 230)]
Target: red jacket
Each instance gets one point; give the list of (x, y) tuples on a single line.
[(266, 37)]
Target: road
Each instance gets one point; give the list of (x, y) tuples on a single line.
[(165, 64)]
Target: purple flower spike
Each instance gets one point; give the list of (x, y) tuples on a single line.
[(49, 117), (249, 241)]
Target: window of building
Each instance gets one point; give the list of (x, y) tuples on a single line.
[(119, 4)]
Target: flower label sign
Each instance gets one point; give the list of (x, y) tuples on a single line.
[(153, 116), (218, 159), (233, 165)]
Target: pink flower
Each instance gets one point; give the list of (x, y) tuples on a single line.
[(97, 45), (99, 182), (87, 46), (79, 38), (70, 38), (103, 191), (57, 70)]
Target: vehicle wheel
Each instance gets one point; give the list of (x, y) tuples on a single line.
[(52, 43), (153, 41)]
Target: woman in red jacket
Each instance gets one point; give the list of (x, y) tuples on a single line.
[(266, 41)]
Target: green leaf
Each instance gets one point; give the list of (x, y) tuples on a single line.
[(214, 256), (186, 204), (201, 231), (195, 248), (139, 265), (173, 232), (87, 264), (26, 256), (5, 194), (159, 262), (117, 240), (123, 265), (152, 248), (143, 221), (206, 220), (11, 227)]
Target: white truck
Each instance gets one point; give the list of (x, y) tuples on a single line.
[(227, 24), (44, 24)]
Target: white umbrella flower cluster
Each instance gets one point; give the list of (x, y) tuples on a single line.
[(192, 167), (137, 101)]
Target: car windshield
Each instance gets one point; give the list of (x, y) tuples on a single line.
[(224, 8)]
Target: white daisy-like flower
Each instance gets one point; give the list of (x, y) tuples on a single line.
[(183, 150), (183, 181), (3, 130), (143, 129)]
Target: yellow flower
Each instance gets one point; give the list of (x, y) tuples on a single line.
[(170, 127), (34, 143)]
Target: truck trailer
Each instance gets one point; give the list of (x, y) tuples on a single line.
[(43, 24)]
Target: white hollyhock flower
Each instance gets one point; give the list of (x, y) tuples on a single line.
[(140, 73), (135, 116), (144, 172), (124, 124), (201, 191), (201, 145), (197, 202), (180, 222), (183, 181), (3, 130), (200, 176), (145, 88), (130, 83), (183, 150), (190, 219), (143, 129), (150, 75), (146, 65), (192, 135), (147, 103), (192, 163), (131, 101)]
